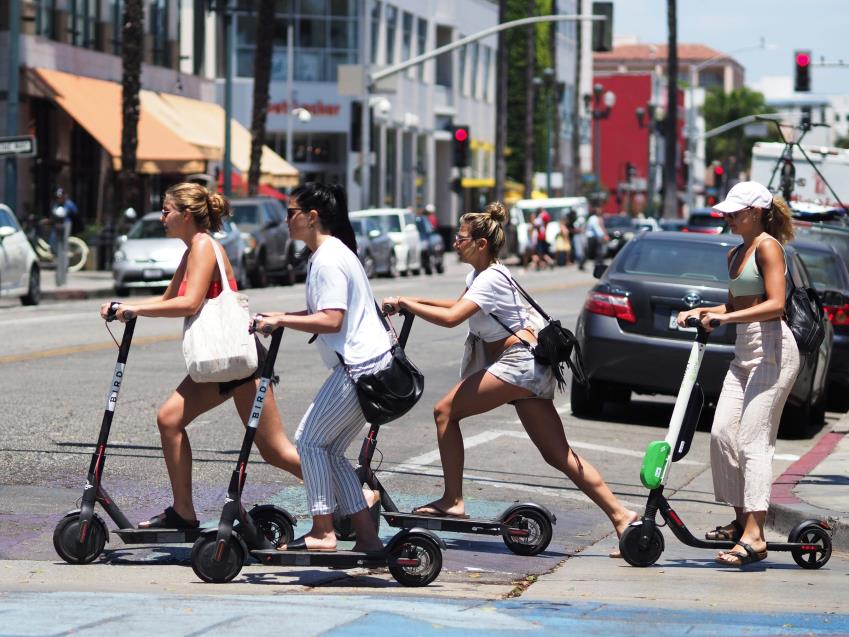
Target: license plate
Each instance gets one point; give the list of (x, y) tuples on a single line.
[(673, 324), (152, 274)]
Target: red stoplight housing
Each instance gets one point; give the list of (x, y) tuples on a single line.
[(718, 171), (802, 71), (460, 143)]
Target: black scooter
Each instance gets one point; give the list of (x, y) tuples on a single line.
[(414, 556), (525, 527), (642, 542), (80, 536)]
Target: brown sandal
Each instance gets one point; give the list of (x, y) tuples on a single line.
[(726, 534)]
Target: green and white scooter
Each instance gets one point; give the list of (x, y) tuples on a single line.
[(642, 542)]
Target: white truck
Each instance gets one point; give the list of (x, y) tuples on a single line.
[(832, 163), (557, 207)]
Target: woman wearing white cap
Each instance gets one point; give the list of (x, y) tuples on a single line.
[(765, 365)]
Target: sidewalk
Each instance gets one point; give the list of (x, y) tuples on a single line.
[(86, 284)]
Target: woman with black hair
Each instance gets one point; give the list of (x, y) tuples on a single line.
[(352, 341)]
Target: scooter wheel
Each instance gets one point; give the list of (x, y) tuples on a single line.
[(217, 572), (415, 561), (66, 539), (815, 535), (633, 553), (273, 524), (527, 531)]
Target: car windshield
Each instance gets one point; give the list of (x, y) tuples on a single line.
[(676, 259), (246, 215), (391, 223), (147, 229), (824, 268)]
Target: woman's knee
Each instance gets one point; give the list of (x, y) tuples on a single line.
[(169, 419), (443, 412)]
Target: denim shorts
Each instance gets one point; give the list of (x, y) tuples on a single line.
[(517, 366)]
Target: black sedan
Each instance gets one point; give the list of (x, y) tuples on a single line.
[(830, 279), (631, 341)]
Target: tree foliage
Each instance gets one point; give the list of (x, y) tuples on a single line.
[(721, 108)]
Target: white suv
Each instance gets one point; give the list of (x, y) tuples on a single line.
[(400, 225), (19, 272)]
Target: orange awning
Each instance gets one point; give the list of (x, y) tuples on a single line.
[(96, 106)]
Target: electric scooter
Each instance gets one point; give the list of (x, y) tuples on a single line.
[(81, 535), (413, 556), (525, 527), (641, 544)]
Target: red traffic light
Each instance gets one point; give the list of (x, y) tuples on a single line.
[(718, 170), (803, 59), (461, 134)]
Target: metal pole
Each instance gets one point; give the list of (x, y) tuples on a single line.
[(290, 91), (229, 37), (365, 110), (691, 139), (11, 187), (649, 194), (597, 152), (548, 141)]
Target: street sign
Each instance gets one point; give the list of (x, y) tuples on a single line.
[(22, 146)]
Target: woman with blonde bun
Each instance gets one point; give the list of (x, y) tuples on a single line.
[(498, 369), (190, 213)]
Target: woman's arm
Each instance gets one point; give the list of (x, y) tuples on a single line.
[(322, 322), (451, 316)]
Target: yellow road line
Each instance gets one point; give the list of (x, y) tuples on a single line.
[(91, 347)]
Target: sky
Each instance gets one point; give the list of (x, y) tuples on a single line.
[(822, 26)]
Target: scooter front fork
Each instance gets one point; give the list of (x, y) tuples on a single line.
[(649, 522)]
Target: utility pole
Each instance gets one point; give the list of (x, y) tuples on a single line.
[(500, 106), (670, 185), (530, 95)]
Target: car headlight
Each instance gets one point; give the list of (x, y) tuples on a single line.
[(250, 241), (119, 256)]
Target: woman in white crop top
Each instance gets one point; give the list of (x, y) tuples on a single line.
[(498, 369)]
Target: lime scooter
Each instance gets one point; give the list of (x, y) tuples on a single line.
[(642, 542)]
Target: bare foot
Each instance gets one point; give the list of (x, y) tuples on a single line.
[(441, 508), (620, 526)]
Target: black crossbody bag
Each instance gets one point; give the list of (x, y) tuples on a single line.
[(556, 346), (391, 392)]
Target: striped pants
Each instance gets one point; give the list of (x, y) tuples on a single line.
[(766, 362), (327, 429)]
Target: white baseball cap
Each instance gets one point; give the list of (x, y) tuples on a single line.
[(744, 195)]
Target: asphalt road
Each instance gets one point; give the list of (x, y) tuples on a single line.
[(56, 362)]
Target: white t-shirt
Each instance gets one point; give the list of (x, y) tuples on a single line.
[(336, 281), (494, 294)]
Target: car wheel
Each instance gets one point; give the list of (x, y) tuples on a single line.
[(587, 400), (368, 265), (392, 270), (259, 276), (33, 295)]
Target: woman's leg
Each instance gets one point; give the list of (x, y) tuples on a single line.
[(188, 401), (545, 429), (271, 440), (478, 394), (725, 440)]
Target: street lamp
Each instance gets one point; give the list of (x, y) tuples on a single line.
[(602, 102), (547, 79)]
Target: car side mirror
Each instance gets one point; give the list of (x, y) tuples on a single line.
[(599, 270), (6, 231)]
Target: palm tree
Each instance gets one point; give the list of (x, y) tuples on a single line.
[(262, 77), (132, 42), (670, 182)]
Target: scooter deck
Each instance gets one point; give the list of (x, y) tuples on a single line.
[(332, 559), (158, 536), (443, 523)]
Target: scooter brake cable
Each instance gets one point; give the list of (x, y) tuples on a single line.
[(117, 344)]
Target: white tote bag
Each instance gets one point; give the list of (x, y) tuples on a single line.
[(216, 343)]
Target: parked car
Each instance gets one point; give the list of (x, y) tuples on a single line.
[(433, 247), (705, 220), (270, 253), (146, 258), (833, 235), (400, 225), (620, 229), (830, 278), (673, 225), (809, 211), (20, 275), (557, 207), (631, 341), (375, 249)]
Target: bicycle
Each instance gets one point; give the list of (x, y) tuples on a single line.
[(77, 249)]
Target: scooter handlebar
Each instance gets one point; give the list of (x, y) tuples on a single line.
[(692, 321)]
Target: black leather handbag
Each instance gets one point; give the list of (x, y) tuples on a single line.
[(805, 316), (390, 393)]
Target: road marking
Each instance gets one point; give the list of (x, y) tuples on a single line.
[(91, 347), (48, 318)]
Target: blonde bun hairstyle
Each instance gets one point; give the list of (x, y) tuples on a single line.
[(207, 208), (488, 225)]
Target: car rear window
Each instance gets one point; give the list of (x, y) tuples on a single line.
[(823, 267), (246, 214), (676, 259), (147, 229), (837, 239)]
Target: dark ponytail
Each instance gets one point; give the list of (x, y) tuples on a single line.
[(331, 203)]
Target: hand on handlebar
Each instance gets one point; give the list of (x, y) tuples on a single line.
[(112, 310), (262, 324), (684, 316), (390, 305), (710, 320)]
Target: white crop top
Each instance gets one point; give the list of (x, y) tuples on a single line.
[(492, 292)]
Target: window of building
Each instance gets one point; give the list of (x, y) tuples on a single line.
[(461, 70), (474, 49), (391, 157), (159, 31), (375, 31), (83, 16), (391, 30), (421, 46), (486, 73), (44, 24), (406, 36), (444, 63), (116, 10)]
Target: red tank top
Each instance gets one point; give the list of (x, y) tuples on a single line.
[(214, 288)]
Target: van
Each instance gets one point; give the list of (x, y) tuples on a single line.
[(400, 225), (557, 207)]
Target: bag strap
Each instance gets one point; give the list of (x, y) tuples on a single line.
[(225, 284), (387, 326), (527, 296)]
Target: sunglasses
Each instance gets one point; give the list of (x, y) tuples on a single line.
[(164, 213), (460, 239), (291, 212), (734, 215)]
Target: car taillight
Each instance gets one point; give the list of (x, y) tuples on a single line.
[(610, 305), (837, 314)]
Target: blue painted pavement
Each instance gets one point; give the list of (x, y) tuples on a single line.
[(87, 614)]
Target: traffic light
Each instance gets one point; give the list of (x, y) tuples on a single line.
[(460, 143), (802, 75), (630, 170)]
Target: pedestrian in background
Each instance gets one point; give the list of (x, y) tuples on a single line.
[(63, 212), (191, 213), (766, 362), (596, 237), (563, 243), (542, 254), (498, 369)]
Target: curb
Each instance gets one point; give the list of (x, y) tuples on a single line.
[(787, 510)]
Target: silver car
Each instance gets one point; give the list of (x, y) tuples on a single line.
[(19, 272), (146, 258)]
